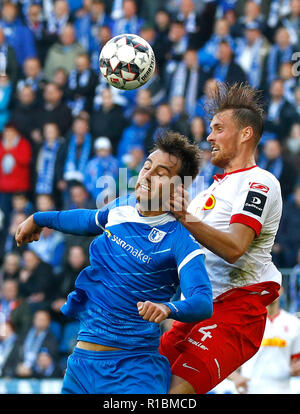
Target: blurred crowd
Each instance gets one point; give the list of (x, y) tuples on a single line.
[(62, 128)]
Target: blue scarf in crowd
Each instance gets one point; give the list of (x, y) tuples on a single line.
[(73, 164), (46, 168), (284, 56)]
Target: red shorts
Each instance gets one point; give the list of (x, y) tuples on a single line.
[(223, 342)]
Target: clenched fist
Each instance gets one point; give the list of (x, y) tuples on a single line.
[(153, 312), (28, 231)]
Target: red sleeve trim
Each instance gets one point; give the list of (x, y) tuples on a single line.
[(248, 221), (295, 356)]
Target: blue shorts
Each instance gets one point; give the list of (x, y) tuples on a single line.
[(116, 372)]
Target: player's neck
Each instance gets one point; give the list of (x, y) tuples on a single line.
[(240, 163), (149, 213)]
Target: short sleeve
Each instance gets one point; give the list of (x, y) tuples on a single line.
[(258, 199)]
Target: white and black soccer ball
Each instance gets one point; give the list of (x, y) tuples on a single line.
[(127, 61)]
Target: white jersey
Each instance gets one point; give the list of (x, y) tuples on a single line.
[(251, 196), (269, 369)]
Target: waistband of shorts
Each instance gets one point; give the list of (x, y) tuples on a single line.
[(85, 353)]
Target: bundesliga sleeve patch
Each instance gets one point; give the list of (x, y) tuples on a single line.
[(255, 203)]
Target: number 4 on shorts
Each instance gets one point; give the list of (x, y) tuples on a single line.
[(206, 333)]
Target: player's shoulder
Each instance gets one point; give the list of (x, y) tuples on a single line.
[(123, 201), (259, 176), (288, 317), (183, 235)]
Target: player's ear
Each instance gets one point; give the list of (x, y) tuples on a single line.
[(246, 134)]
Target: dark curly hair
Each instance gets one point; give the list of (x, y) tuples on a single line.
[(178, 145)]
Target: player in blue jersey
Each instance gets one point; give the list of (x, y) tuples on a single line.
[(138, 261)]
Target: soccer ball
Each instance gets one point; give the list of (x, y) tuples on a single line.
[(127, 61)]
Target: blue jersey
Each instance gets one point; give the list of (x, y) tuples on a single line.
[(136, 258)]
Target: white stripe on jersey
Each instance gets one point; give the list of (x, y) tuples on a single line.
[(188, 258), (129, 214)]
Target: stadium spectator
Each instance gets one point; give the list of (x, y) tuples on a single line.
[(9, 63), (33, 76), (81, 86), (293, 145), (37, 24), (13, 309), (137, 133), (9, 349), (77, 260), (251, 13), (180, 115), (281, 342), (15, 158), (63, 53), (291, 22), (226, 70), (25, 114), (6, 89), (44, 202), (103, 166), (129, 22), (59, 17), (79, 150), (17, 35), (87, 24), (280, 114), (294, 287), (208, 54), (46, 366), (49, 164), (206, 171), (251, 52), (36, 338), (79, 197), (281, 51), (103, 35), (54, 110), (177, 45), (188, 81), (21, 203), (288, 240), (11, 266), (272, 159), (51, 249), (289, 81), (108, 120), (197, 129), (35, 281), (9, 244)]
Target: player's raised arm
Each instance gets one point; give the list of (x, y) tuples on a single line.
[(79, 222)]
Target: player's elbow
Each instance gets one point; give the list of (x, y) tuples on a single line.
[(205, 311), (234, 254)]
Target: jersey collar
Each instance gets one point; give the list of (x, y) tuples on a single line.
[(219, 177)]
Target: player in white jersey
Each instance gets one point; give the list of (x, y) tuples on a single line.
[(269, 371), (235, 220)]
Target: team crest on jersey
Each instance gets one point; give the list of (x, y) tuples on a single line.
[(156, 235), (209, 203)]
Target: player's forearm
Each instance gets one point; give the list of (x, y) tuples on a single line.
[(219, 242), (79, 222), (192, 309), (196, 288)]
